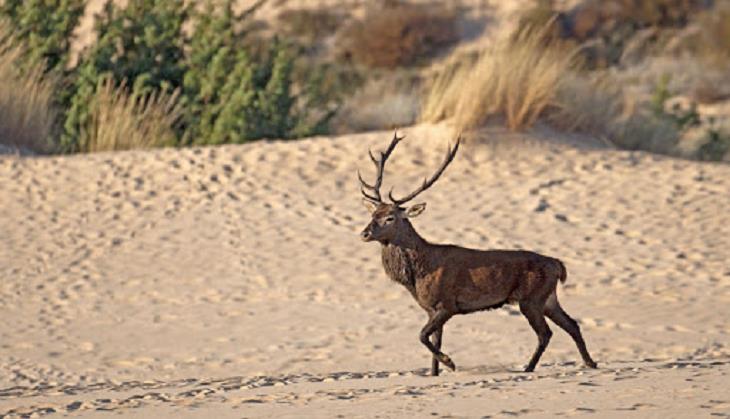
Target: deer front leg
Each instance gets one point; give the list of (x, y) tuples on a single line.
[(436, 323)]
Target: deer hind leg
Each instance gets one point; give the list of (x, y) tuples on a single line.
[(565, 322), (436, 340), (534, 313), (435, 323)]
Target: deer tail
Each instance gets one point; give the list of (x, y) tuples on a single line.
[(563, 272)]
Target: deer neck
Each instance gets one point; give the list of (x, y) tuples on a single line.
[(404, 259), (409, 239)]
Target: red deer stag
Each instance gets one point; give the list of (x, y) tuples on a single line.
[(447, 280)]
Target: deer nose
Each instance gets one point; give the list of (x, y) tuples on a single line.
[(365, 235)]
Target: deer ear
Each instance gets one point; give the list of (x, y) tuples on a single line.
[(369, 205), (415, 210)]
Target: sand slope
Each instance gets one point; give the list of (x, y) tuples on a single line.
[(230, 282)]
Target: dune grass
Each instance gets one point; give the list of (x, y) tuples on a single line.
[(518, 79), (121, 120), (27, 113)]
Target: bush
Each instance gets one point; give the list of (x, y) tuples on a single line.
[(236, 94), (46, 28), (588, 105), (385, 101), (643, 13), (602, 18), (597, 105), (234, 87), (246, 105), (141, 44), (27, 111), (516, 79), (716, 146), (611, 31), (397, 34)]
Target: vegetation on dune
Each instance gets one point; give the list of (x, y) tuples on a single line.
[(517, 79), (610, 31), (46, 27), (311, 25), (547, 70), (120, 120), (27, 111), (139, 46), (172, 73), (397, 34), (227, 86)]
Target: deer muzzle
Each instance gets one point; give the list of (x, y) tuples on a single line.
[(366, 234)]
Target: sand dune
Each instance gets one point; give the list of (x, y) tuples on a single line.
[(230, 282)]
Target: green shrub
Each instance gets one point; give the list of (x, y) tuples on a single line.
[(237, 89), (142, 44), (240, 101), (45, 27), (229, 86)]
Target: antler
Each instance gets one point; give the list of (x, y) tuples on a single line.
[(450, 153), (379, 165)]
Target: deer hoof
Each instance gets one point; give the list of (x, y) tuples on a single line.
[(591, 364), (447, 361)]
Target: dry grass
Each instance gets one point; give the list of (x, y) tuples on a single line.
[(27, 114), (397, 34), (123, 121), (517, 79)]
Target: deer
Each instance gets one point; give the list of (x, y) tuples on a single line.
[(448, 280)]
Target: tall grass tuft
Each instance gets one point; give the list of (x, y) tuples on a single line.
[(120, 120), (518, 79), (27, 113)]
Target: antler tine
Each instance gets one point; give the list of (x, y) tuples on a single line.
[(379, 166), (363, 183), (370, 197), (370, 152), (428, 182)]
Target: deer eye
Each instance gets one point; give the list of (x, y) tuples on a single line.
[(389, 219)]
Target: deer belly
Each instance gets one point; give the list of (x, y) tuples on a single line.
[(469, 302)]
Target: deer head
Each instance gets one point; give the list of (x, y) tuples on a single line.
[(390, 219)]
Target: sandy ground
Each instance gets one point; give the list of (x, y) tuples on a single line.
[(231, 282)]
